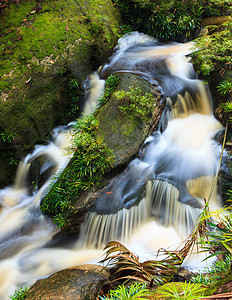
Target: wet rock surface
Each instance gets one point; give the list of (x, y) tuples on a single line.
[(45, 44), (80, 283)]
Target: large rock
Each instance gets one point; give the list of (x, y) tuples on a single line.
[(123, 135), (43, 45), (79, 283)]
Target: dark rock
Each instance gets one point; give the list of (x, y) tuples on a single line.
[(126, 135), (183, 275), (215, 20), (80, 283)]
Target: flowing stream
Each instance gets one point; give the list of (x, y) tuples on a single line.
[(161, 192)]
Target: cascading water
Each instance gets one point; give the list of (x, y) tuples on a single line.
[(166, 183), (179, 162)]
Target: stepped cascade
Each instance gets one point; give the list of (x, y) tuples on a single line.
[(158, 196)]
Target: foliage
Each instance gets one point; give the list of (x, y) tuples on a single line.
[(13, 161), (125, 28), (217, 271), (74, 91), (182, 17), (227, 107), (133, 292), (135, 103), (21, 293), (181, 291), (215, 51), (225, 87), (167, 20), (215, 237), (91, 159), (111, 84), (219, 238), (6, 137)]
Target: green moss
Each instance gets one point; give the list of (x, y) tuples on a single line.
[(32, 31), (35, 36), (136, 104), (43, 45)]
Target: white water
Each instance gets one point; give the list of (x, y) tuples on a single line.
[(183, 155), (94, 87)]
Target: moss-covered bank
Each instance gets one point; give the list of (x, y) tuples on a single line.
[(43, 44)]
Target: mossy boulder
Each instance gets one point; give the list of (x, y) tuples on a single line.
[(43, 45), (123, 133), (81, 283)]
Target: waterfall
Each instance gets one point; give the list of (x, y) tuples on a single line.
[(159, 195), (178, 164), (23, 227), (94, 89)]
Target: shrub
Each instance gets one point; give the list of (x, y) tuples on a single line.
[(215, 51), (21, 293), (181, 291), (167, 20), (90, 161), (111, 84), (136, 291)]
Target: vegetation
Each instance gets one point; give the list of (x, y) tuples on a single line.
[(227, 108), (111, 84), (90, 161), (219, 238), (217, 271), (169, 20), (26, 44), (135, 104), (136, 291), (214, 53), (75, 92), (225, 87), (92, 158), (21, 293), (6, 137), (42, 45), (181, 291)]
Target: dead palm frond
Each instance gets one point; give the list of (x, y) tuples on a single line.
[(125, 265), (218, 296)]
